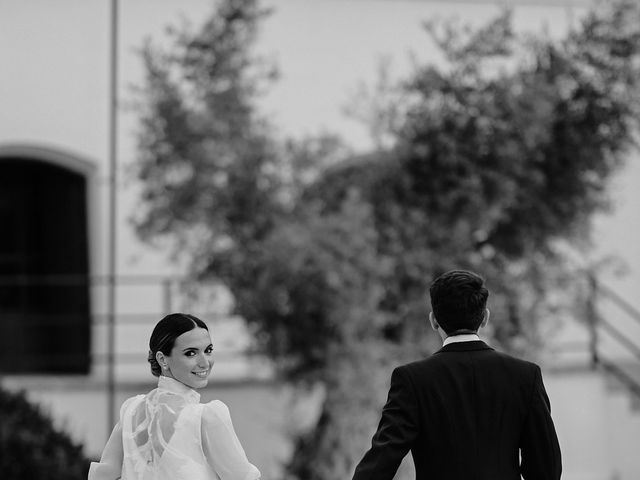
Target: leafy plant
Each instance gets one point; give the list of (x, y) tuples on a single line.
[(32, 447)]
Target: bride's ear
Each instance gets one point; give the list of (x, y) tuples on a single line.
[(161, 360)]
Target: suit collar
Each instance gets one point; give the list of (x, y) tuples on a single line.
[(467, 337), (465, 347)]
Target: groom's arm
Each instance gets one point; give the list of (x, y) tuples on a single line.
[(539, 447), (396, 432)]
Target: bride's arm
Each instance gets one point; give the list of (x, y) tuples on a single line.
[(221, 445), (110, 465)]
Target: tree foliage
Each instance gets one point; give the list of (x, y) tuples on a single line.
[(525, 151), (207, 160), (494, 159)]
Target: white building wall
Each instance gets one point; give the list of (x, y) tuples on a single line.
[(598, 427), (578, 404)]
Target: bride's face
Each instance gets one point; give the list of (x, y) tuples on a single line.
[(191, 359)]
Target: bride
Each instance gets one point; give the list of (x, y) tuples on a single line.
[(168, 434)]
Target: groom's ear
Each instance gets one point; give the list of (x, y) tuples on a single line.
[(433, 321), (487, 314)]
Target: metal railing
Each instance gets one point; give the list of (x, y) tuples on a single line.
[(19, 318), (170, 287), (601, 328)]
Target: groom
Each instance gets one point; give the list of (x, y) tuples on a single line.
[(468, 411)]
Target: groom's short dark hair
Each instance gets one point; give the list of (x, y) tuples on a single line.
[(459, 300)]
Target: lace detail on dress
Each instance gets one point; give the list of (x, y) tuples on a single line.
[(169, 435), (162, 413), (150, 423)]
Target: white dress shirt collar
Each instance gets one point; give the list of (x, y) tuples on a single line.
[(466, 337), (174, 386)]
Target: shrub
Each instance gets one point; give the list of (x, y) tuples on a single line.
[(31, 447)]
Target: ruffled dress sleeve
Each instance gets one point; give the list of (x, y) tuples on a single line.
[(221, 446), (110, 465)]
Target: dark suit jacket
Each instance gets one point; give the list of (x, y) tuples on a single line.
[(466, 413)]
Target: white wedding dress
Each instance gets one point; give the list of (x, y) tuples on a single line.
[(169, 435)]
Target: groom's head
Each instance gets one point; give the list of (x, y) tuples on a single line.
[(459, 301)]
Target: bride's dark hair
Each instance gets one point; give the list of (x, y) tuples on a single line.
[(165, 333)]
